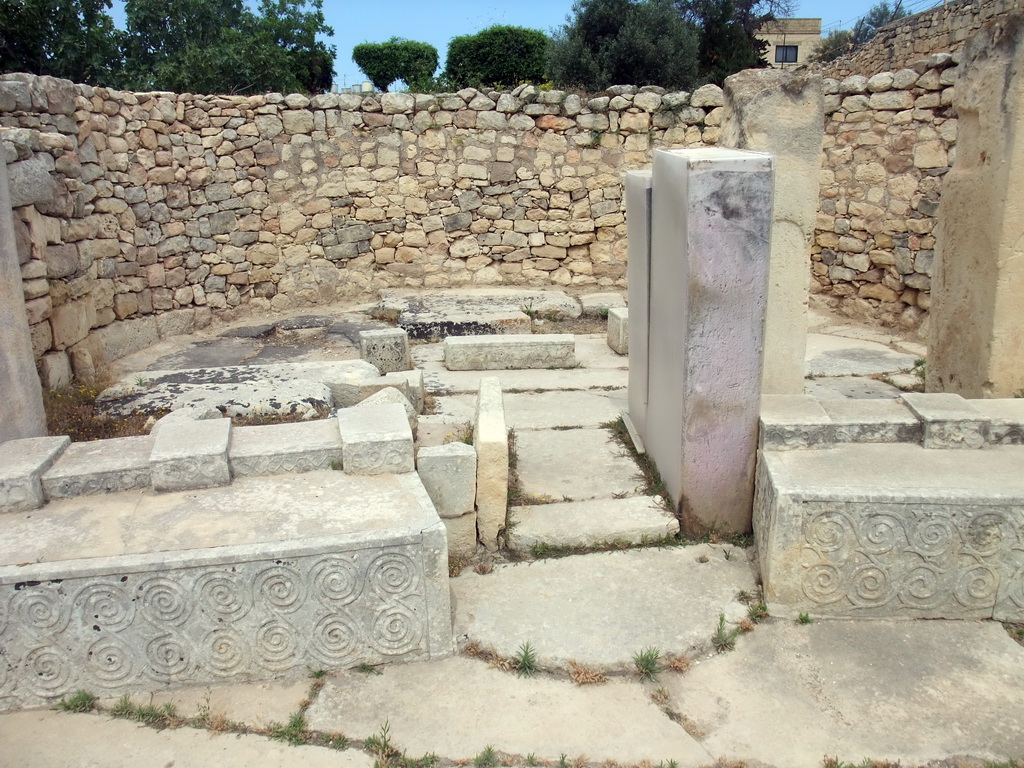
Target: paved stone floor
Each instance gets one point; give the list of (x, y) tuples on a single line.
[(786, 695)]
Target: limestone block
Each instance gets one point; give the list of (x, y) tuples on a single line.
[(1006, 420), (948, 420), (409, 383), (376, 439), (387, 348), (636, 519), (779, 112), (22, 464), (512, 351), (278, 449), (187, 413), (794, 422), (490, 439), (872, 421), (191, 454), (890, 531), (101, 466), (55, 370), (618, 330), (595, 304), (461, 535), (448, 472), (393, 395), (638, 227)]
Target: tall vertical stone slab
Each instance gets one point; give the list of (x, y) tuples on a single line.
[(21, 407), (638, 273), (775, 111), (710, 228), (490, 439), (976, 335)]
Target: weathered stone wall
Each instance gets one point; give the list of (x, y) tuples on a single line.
[(160, 208), (942, 29), (889, 141)]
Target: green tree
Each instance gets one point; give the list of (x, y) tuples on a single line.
[(879, 15), (636, 42), (396, 59), (837, 43), (497, 56), (75, 39)]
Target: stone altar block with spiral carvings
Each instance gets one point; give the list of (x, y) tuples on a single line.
[(270, 576)]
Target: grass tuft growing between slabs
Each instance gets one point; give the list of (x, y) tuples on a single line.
[(72, 411)]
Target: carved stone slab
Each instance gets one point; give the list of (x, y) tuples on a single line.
[(376, 439), (189, 455), (872, 421), (618, 330), (492, 353), (892, 531), (949, 420), (410, 384), (282, 448), (22, 464), (101, 466), (794, 422), (1006, 420), (387, 349)]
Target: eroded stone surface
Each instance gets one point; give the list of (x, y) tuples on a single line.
[(599, 467), (488, 353), (448, 472), (794, 422), (635, 520), (948, 420), (376, 439), (872, 421), (22, 464), (191, 454), (387, 349), (283, 448), (101, 466), (490, 439), (618, 330)]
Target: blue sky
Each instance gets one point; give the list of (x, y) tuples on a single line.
[(439, 21)]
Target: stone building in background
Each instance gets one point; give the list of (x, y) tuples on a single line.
[(790, 41)]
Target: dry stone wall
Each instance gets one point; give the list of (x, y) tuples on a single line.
[(889, 141), (943, 29), (140, 214)]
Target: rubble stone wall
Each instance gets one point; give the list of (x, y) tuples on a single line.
[(139, 214)]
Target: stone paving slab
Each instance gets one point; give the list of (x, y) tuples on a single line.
[(575, 463), (542, 410), (601, 609), (584, 523), (899, 690), (458, 707), (836, 356), (473, 300), (45, 739), (850, 387)]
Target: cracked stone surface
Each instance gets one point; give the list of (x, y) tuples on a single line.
[(575, 463)]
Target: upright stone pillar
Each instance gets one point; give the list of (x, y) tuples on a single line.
[(976, 335), (21, 397), (710, 229), (774, 111), (638, 274)]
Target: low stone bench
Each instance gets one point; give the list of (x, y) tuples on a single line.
[(132, 593), (874, 509), (514, 351)]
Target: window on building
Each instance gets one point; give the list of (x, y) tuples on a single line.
[(785, 54)]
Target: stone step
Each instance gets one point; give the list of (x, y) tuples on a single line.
[(635, 520), (133, 592), (892, 530)]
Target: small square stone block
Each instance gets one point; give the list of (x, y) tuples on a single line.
[(448, 472), (410, 383), (618, 330), (949, 420), (387, 348), (794, 422), (100, 466), (376, 440), (191, 455), (22, 464)]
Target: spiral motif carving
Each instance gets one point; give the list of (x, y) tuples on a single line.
[(167, 656), (281, 587), (277, 645), (870, 586), (163, 601), (48, 671), (40, 609), (1015, 588), (880, 533), (921, 588), (988, 532), (823, 584), (932, 536), (392, 574), (977, 587), (110, 660), (227, 652), (829, 532), (219, 594), (396, 630), (106, 605), (336, 581), (334, 639)]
